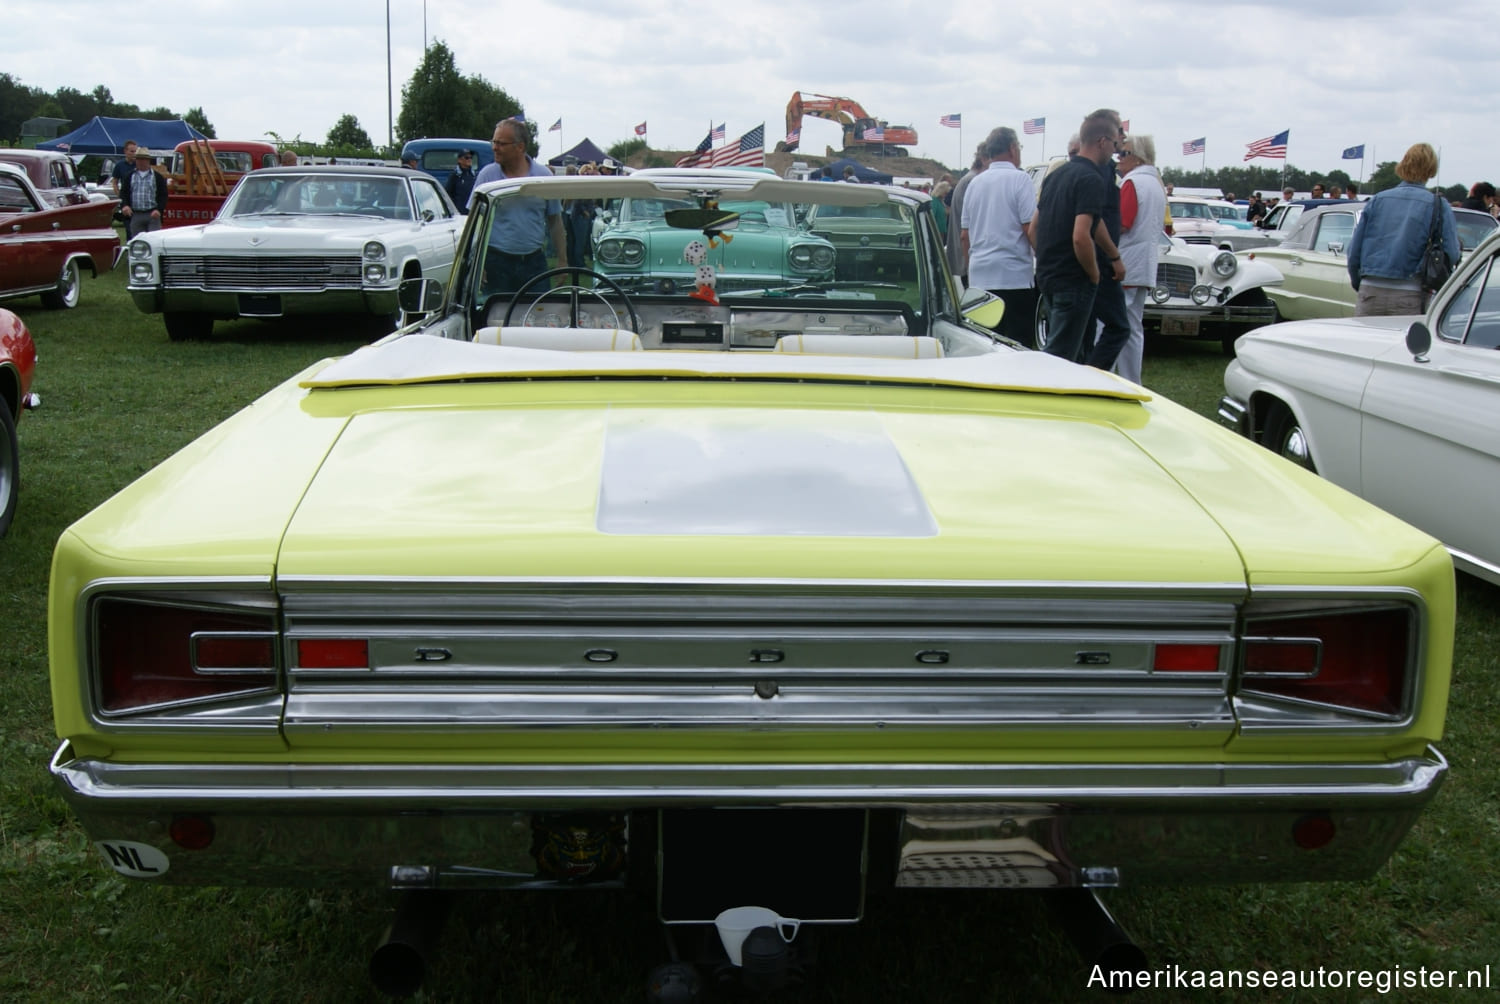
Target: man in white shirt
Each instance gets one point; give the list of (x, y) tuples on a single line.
[(997, 236)]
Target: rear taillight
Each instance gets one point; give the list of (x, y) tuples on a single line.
[(148, 653), (1361, 660)]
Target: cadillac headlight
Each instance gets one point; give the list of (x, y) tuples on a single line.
[(140, 250), (1225, 264), (374, 273), (374, 251), (141, 271)]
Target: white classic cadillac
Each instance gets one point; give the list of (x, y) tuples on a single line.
[(298, 240), (1409, 425)]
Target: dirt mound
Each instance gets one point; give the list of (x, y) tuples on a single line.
[(899, 167)]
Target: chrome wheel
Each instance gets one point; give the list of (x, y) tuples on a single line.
[(1285, 438), (10, 468), (65, 296)]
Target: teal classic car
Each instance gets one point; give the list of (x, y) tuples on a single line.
[(640, 250), (748, 608)]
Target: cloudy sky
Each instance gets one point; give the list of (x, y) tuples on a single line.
[(1383, 73)]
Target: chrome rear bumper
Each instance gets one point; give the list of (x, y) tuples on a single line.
[(960, 825)]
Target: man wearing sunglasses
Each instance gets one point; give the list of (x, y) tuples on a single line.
[(1067, 221)]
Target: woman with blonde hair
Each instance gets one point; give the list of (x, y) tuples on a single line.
[(1390, 240)]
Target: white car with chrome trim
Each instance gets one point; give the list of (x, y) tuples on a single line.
[(1202, 291), (1408, 424), (298, 240)]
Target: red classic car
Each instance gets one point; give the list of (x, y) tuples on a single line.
[(44, 247), (51, 172), (17, 364)]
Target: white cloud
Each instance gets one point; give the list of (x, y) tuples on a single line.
[(1384, 74)]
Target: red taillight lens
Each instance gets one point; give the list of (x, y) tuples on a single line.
[(1186, 659), (333, 653), (1349, 659), (149, 653)]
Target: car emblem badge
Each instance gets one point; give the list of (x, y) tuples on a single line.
[(255, 242)]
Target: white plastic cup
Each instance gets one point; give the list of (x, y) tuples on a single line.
[(736, 923)]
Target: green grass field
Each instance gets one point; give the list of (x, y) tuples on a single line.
[(118, 397)]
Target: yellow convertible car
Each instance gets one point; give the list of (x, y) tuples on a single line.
[(751, 601)]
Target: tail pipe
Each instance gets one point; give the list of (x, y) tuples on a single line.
[(1099, 939), (399, 963)]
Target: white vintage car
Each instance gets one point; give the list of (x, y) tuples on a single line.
[(1202, 291), (1399, 410), (298, 240)]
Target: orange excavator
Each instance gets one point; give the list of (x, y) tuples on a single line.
[(861, 129)]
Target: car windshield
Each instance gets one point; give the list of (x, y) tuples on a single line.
[(778, 256), (1191, 210), (319, 194), (1228, 212), (1473, 228)]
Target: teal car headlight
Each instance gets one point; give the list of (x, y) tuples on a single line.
[(619, 251), (1225, 264), (374, 251), (810, 258), (139, 250)]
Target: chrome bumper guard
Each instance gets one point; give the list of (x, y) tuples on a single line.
[(961, 825), (1234, 414)]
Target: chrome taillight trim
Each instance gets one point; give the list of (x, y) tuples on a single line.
[(254, 710), (1265, 713)]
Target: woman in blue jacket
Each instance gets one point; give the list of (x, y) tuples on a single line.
[(1385, 253)]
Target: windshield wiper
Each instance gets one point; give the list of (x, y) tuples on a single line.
[(814, 287)]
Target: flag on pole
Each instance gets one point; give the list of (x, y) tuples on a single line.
[(794, 137), (1354, 153), (555, 127), (1125, 126), (952, 121), (748, 151), (693, 159), (1272, 147), (1193, 146), (1033, 126), (716, 134), (640, 130)]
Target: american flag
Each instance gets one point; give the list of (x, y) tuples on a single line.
[(1272, 147), (952, 121), (717, 132), (1194, 146), (750, 151), (795, 136), (1033, 126), (692, 159), (874, 134), (554, 127), (640, 130)]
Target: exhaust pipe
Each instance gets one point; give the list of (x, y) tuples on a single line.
[(399, 963), (1099, 939)]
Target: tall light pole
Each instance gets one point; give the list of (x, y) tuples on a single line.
[(390, 107)]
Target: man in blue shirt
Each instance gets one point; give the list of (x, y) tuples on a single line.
[(519, 225), (461, 180)]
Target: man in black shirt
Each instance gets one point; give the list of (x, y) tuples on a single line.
[(461, 180), (1069, 221)]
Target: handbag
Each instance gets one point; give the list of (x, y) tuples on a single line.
[(1436, 268)]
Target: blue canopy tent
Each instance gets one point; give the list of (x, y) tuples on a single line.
[(583, 153), (106, 137)]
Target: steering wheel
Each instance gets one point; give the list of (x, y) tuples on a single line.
[(573, 290)]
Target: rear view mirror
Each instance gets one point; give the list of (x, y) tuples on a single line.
[(1418, 341), (420, 296)]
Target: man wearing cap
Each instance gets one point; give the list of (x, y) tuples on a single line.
[(143, 196), (461, 180), (520, 224)]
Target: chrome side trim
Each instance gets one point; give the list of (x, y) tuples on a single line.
[(1234, 414)]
